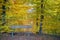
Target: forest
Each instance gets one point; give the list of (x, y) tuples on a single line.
[(26, 12)]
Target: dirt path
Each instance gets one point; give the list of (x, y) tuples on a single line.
[(25, 37)]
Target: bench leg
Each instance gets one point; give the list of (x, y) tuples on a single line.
[(12, 34)]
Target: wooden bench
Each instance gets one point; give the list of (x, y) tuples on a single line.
[(13, 27)]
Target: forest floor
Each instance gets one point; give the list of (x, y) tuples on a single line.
[(27, 37)]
